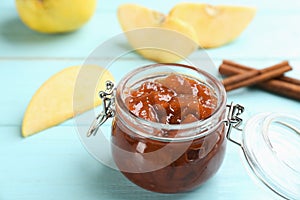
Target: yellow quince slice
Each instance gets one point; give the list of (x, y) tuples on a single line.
[(215, 25), (53, 102), (155, 36)]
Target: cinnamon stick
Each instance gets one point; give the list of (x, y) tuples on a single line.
[(239, 77), (263, 76), (246, 68), (283, 88), (250, 73), (227, 69), (283, 85), (290, 80)]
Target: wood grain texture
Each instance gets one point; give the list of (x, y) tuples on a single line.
[(54, 164)]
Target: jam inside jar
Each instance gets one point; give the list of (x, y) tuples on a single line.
[(168, 133)]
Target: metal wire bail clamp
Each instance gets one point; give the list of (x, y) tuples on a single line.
[(233, 120), (108, 102)]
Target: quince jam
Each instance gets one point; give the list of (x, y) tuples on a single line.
[(163, 159), (172, 100)]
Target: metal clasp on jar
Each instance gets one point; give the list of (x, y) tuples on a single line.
[(233, 120), (108, 102)]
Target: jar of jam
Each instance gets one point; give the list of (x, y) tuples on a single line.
[(169, 130), (168, 133)]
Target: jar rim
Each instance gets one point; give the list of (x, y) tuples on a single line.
[(205, 123)]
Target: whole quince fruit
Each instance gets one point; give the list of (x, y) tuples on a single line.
[(52, 16)]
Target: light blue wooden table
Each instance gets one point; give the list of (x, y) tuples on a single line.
[(54, 164)]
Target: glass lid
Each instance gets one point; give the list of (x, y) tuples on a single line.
[(271, 147)]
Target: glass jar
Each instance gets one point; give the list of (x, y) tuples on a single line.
[(153, 161), (147, 156)]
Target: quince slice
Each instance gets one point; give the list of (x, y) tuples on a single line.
[(132, 16), (53, 102), (215, 25), (156, 36)]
